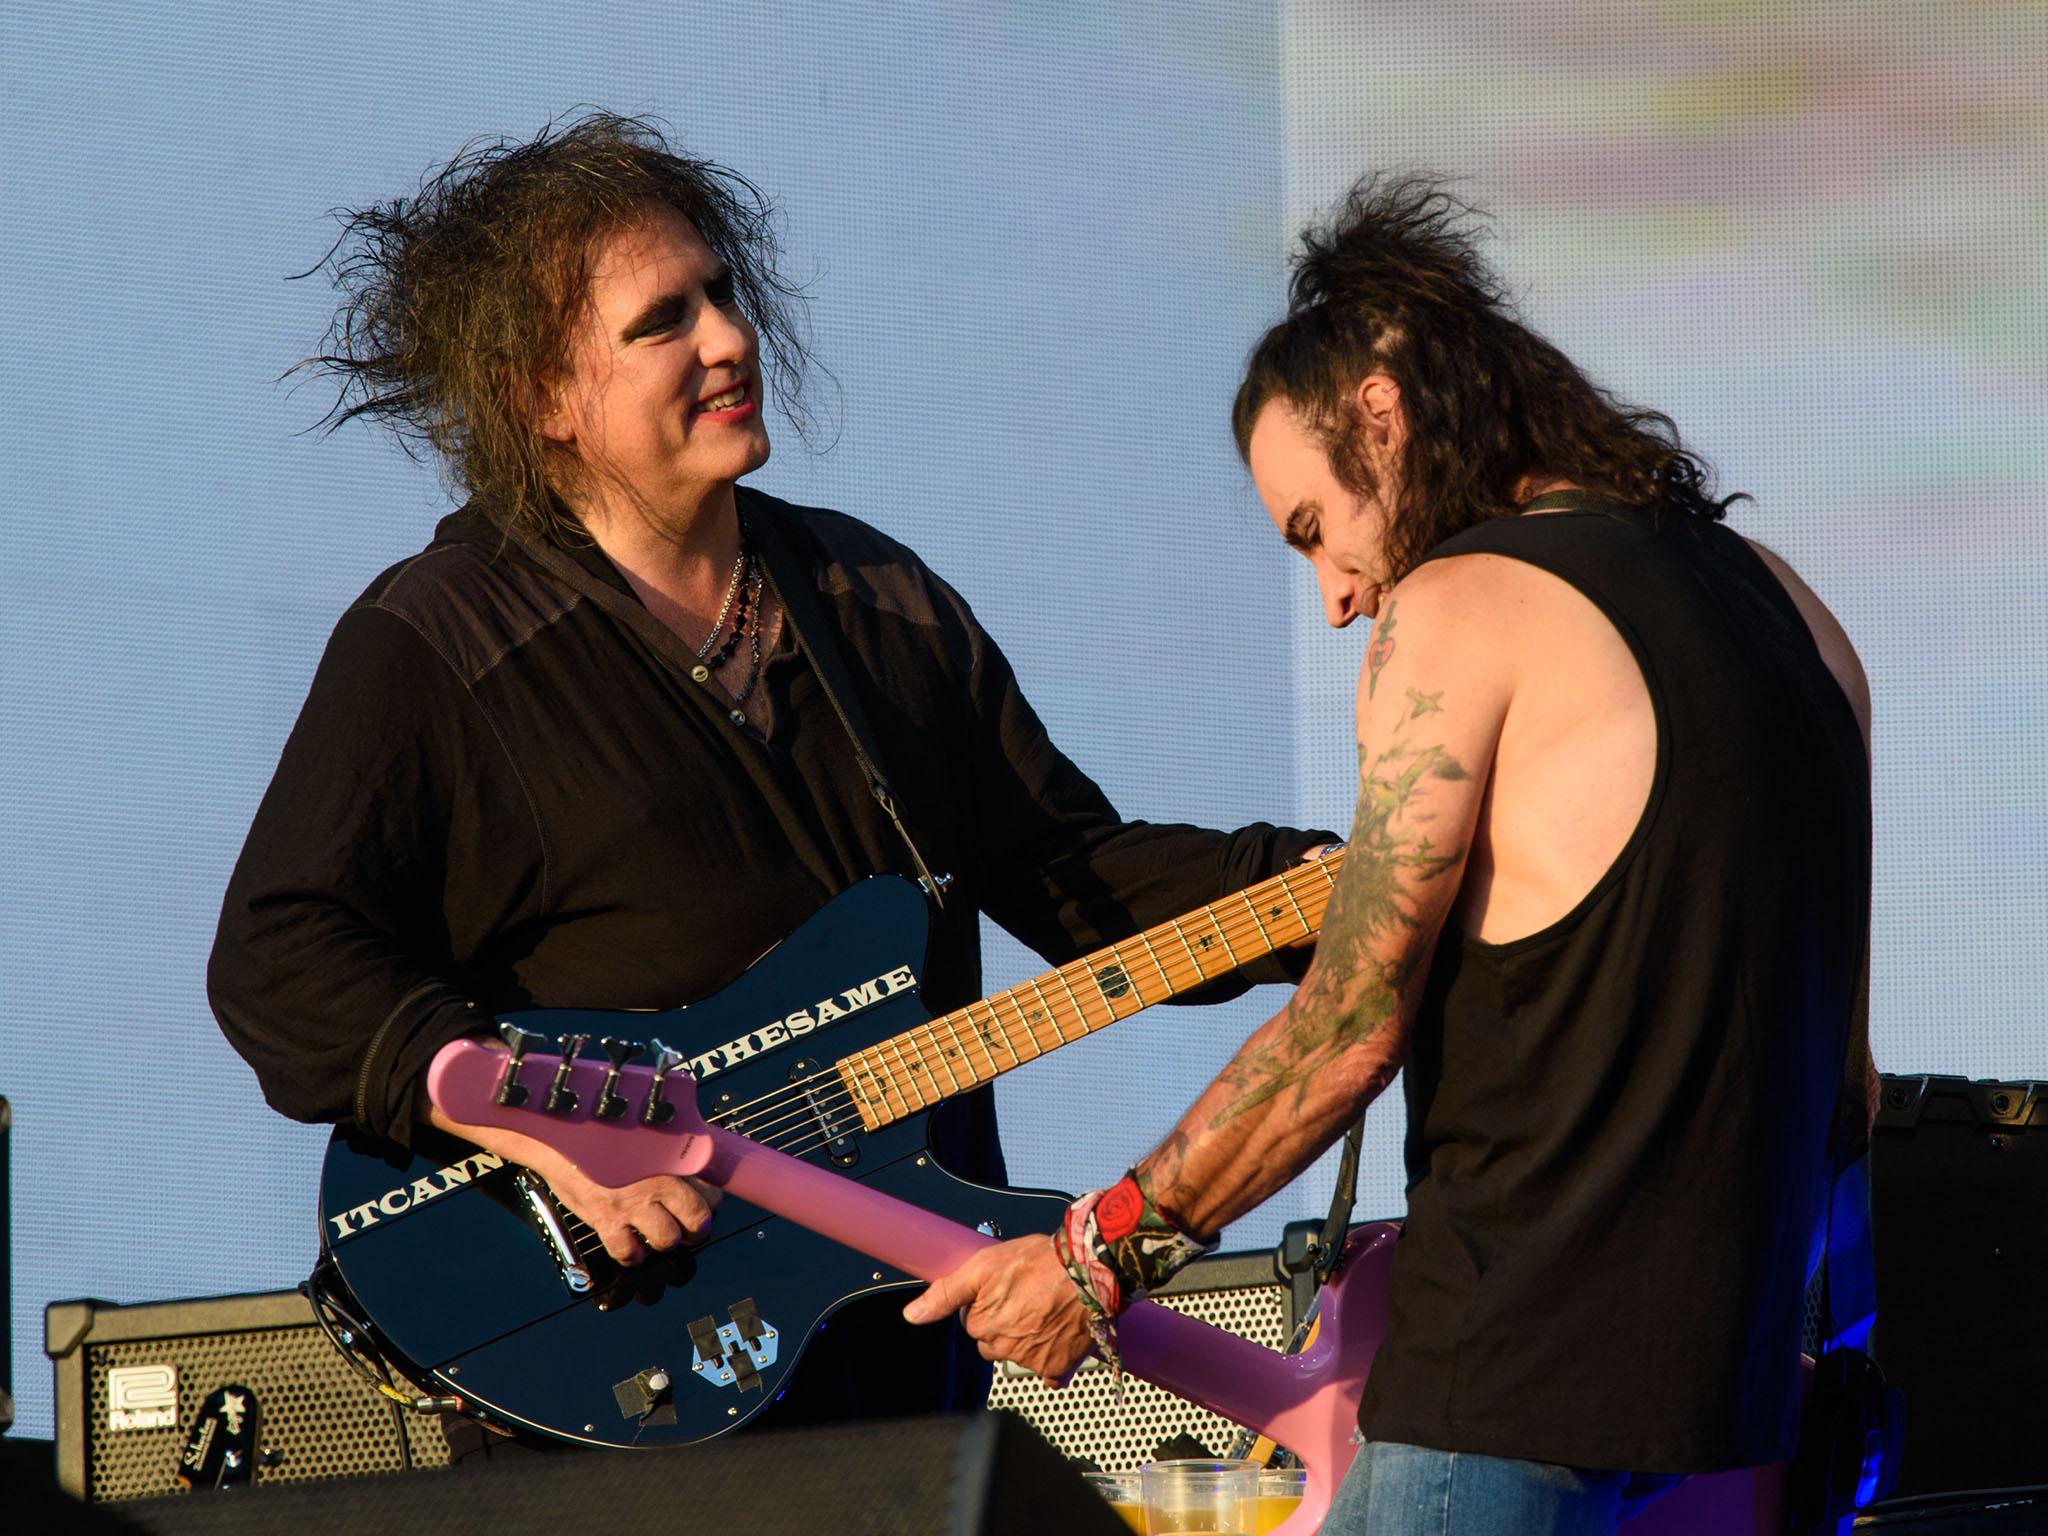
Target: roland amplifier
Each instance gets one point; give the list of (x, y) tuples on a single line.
[(226, 1388)]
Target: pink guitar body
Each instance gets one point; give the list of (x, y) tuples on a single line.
[(1307, 1402)]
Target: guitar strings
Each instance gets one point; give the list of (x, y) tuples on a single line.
[(772, 1110), (798, 1119), (1229, 927), (764, 1118)]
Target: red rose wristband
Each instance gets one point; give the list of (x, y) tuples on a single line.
[(1115, 1245), (1140, 1243)]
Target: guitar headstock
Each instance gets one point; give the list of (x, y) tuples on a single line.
[(615, 1120)]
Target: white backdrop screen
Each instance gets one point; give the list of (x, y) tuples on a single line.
[(1039, 240)]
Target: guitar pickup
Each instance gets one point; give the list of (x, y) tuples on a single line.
[(838, 1122)]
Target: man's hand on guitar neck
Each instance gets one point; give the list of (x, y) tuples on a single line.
[(1016, 1303), (634, 1220)]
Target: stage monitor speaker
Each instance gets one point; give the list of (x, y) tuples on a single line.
[(1958, 1188), (1992, 1512), (131, 1382), (985, 1475), (1239, 1292)]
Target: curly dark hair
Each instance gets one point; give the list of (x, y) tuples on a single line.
[(459, 302), (1395, 284)]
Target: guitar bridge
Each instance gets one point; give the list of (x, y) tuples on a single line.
[(541, 1206)]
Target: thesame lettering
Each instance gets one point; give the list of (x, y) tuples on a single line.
[(778, 1032), (794, 1025)]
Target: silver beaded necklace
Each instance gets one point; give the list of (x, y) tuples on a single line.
[(732, 587)]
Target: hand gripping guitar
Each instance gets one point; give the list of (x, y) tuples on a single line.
[(468, 1271), (1307, 1402)]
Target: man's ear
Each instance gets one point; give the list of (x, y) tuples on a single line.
[(1378, 399), (542, 405)]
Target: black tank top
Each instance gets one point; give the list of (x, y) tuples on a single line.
[(1617, 1127)]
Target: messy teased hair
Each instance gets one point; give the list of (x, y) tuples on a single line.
[(1395, 284), (459, 302)]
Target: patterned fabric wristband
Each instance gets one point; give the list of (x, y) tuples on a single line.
[(1116, 1245), (1101, 1296), (1101, 1292), (1137, 1241)]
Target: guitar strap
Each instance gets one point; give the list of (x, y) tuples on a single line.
[(786, 572), (792, 582), (1329, 1247)]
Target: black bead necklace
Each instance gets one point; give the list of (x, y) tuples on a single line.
[(742, 605)]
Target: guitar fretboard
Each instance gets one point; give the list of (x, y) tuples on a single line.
[(973, 1045)]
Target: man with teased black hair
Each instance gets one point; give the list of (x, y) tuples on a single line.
[(571, 754)]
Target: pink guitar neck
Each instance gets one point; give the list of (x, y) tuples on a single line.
[(1307, 1402)]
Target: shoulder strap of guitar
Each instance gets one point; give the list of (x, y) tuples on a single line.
[(792, 581), (1330, 1243)]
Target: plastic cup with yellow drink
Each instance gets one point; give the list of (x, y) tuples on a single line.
[(1126, 1494), (1212, 1497), (1280, 1491)]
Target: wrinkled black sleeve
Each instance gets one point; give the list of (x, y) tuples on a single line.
[(333, 971)]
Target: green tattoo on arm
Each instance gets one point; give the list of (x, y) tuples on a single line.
[(1381, 651), (1353, 990)]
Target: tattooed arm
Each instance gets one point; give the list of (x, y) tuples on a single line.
[(1430, 706)]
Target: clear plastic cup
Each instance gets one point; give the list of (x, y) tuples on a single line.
[(1217, 1498), (1125, 1492), (1280, 1491)]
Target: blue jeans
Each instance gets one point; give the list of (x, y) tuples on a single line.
[(1407, 1490)]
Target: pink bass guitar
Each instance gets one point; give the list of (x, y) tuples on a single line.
[(1307, 1402)]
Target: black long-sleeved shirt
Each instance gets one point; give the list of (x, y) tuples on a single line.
[(506, 790)]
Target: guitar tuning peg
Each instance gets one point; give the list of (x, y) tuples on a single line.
[(609, 1105), (521, 1040), (562, 1099), (657, 1110), (511, 1092)]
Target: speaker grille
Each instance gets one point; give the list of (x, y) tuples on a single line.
[(1084, 1421), (316, 1416)]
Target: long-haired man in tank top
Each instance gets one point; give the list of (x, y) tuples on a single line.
[(1606, 901)]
